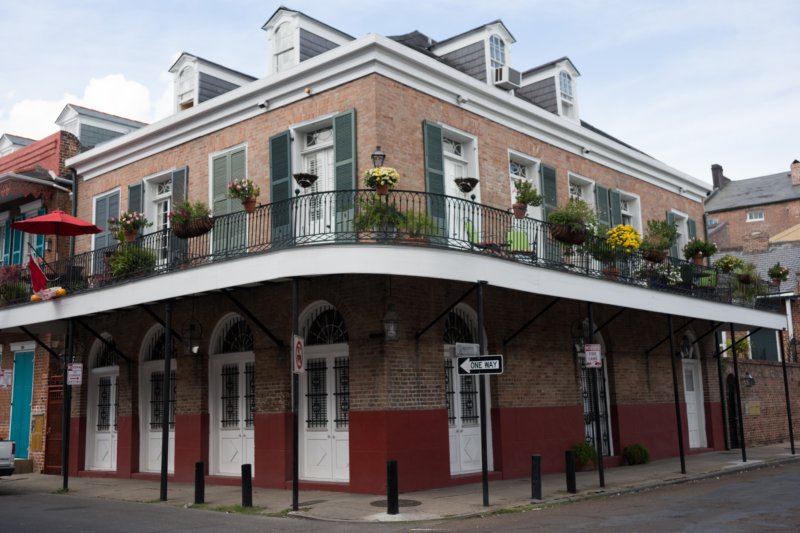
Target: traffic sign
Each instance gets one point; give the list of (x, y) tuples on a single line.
[(594, 358), (298, 355), (466, 349), (75, 374), (480, 364)]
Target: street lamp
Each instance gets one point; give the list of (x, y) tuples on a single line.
[(378, 157)]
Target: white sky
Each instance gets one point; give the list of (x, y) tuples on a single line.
[(690, 82)]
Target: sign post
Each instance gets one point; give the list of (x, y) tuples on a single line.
[(298, 354)]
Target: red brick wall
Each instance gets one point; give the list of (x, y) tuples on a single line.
[(740, 234)]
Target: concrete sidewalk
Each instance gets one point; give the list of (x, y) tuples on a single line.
[(435, 504)]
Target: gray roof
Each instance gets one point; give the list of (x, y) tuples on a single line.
[(738, 194), (106, 116), (548, 65), (206, 61), (787, 254), (16, 139), (479, 28)]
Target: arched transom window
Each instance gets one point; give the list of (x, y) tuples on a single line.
[(233, 336), (324, 325)]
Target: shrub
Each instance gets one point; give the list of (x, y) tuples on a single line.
[(527, 193), (660, 235), (636, 454), (728, 263), (130, 259), (584, 454), (575, 214)]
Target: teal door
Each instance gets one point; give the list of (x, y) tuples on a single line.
[(21, 402)]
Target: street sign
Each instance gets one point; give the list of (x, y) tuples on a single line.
[(6, 378), (594, 358), (298, 355), (75, 374), (466, 349), (481, 364)]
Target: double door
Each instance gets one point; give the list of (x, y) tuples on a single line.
[(233, 400)]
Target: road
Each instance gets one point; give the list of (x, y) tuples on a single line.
[(759, 500)]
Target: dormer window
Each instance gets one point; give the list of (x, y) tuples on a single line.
[(497, 50), (186, 81), (284, 49), (567, 92)]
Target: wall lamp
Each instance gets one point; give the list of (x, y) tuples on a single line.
[(749, 380), (378, 157)]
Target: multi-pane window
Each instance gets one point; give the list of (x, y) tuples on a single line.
[(629, 209), (230, 396), (565, 83), (107, 401), (581, 188), (497, 51), (453, 147), (755, 216), (283, 47)]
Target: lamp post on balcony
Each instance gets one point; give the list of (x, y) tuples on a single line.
[(378, 157)]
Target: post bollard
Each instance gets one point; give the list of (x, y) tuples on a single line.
[(199, 483), (572, 487), (247, 486), (536, 477), (392, 492)]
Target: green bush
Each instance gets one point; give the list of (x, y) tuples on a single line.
[(374, 214), (584, 454), (575, 214), (130, 259), (636, 454)]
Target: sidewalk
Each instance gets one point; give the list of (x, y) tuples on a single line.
[(435, 504)]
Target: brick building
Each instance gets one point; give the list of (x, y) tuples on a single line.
[(381, 288)]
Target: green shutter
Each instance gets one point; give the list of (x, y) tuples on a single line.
[(238, 165), (40, 238), (9, 235), (674, 250), (136, 197), (180, 180), (105, 208), (219, 189), (16, 247), (601, 202), (615, 201), (549, 189), (280, 170), (691, 228), (434, 174), (344, 157)]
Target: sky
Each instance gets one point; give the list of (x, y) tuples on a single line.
[(689, 82)]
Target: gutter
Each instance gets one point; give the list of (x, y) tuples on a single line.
[(14, 175)]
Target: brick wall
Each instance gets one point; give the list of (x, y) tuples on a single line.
[(752, 236)]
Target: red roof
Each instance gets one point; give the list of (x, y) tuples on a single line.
[(44, 153)]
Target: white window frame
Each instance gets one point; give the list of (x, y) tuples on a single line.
[(469, 156), (586, 185), (636, 213), (150, 184), (566, 95), (497, 43), (682, 222), (218, 153), (755, 216), (533, 167)]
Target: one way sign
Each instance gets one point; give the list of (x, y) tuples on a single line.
[(480, 364)]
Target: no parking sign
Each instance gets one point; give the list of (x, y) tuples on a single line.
[(298, 356)]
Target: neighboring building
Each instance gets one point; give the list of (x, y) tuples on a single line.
[(364, 277), (33, 181)]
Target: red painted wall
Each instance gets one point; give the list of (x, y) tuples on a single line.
[(77, 445), (127, 446), (191, 445), (273, 450)]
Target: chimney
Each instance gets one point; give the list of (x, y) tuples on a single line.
[(756, 242), (795, 172), (717, 177)]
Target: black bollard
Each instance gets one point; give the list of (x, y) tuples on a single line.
[(536, 477), (572, 487), (199, 483), (392, 492), (247, 486)]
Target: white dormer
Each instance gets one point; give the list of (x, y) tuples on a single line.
[(197, 80), (11, 143), (492, 45), (93, 127), (567, 90), (553, 86), (293, 37)]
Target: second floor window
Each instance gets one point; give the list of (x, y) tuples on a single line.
[(497, 51)]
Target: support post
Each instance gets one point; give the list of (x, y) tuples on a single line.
[(295, 402), (740, 429), (166, 390), (199, 483), (786, 392), (484, 440), (722, 400), (536, 477), (69, 354), (392, 488), (569, 459), (675, 394), (598, 434), (247, 485)]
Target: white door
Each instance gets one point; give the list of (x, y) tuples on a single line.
[(233, 401), (151, 409), (464, 421), (693, 395), (317, 213), (325, 408), (102, 430)]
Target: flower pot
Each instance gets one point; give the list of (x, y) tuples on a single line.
[(520, 210), (655, 256), (130, 235), (192, 228), (776, 282), (249, 205), (567, 235), (611, 273), (382, 189), (698, 259), (744, 279)]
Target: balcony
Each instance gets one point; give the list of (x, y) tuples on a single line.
[(401, 219)]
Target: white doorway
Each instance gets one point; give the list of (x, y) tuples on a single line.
[(151, 402), (102, 404), (693, 393), (325, 396), (232, 397)]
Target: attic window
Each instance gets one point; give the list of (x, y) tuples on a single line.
[(284, 49), (566, 85), (755, 216), (497, 50), (186, 80)]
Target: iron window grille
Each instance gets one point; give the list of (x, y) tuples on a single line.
[(230, 396), (157, 399), (316, 394), (341, 368)]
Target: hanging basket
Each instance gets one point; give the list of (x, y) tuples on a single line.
[(193, 227), (567, 235), (655, 256), (744, 279)]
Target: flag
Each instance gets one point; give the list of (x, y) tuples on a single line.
[(38, 279)]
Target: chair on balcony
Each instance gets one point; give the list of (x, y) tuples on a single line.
[(520, 246), (483, 244)]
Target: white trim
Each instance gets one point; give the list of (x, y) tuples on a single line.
[(748, 218), (354, 60), (4, 216), (25, 346), (30, 206)]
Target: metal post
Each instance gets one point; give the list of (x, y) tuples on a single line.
[(295, 403), (675, 394), (199, 483), (598, 440), (536, 477), (165, 395), (786, 392), (572, 487), (247, 485), (738, 395), (722, 393), (392, 489), (69, 354), (482, 348)]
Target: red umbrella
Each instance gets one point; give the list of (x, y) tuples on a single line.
[(56, 223)]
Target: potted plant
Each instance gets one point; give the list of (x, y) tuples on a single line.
[(778, 273), (660, 236), (728, 263), (698, 249), (636, 454), (12, 287), (189, 219), (585, 454), (245, 190), (128, 225), (570, 222), (526, 195), (375, 215), (130, 260), (418, 226), (747, 273), (381, 179)]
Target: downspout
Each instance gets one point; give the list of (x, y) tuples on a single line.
[(74, 213)]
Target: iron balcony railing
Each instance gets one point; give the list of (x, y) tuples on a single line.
[(403, 218)]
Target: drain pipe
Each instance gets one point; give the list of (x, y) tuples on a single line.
[(74, 213)]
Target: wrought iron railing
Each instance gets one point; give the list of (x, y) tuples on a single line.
[(403, 218)]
